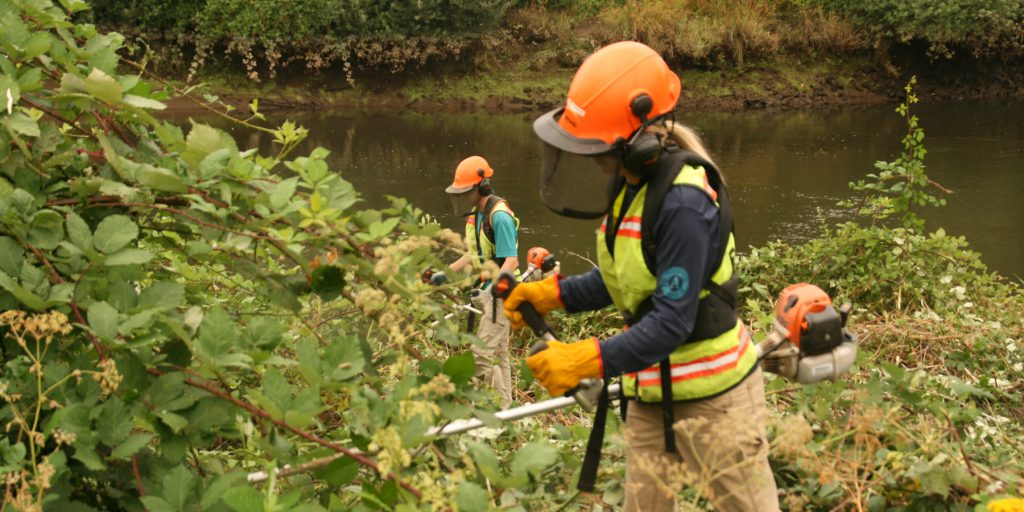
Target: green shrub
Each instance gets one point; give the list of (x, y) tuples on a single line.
[(933, 408), (981, 27)]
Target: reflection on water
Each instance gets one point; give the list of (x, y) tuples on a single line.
[(786, 170)]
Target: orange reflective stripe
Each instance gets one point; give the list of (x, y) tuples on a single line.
[(709, 365), (630, 227)]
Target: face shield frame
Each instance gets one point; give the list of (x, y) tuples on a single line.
[(571, 167)]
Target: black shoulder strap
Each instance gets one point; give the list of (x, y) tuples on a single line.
[(488, 228), (658, 187)]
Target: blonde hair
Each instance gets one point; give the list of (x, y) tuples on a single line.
[(686, 138)]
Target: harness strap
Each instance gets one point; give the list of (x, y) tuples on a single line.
[(667, 406), (592, 458)]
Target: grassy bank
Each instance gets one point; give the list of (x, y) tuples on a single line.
[(512, 56)]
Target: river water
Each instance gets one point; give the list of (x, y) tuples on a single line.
[(786, 170)]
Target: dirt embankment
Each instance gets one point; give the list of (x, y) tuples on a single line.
[(780, 85)]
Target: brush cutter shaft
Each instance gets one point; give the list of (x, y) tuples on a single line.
[(515, 413)]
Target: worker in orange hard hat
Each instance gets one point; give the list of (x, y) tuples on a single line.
[(491, 235), (693, 395)]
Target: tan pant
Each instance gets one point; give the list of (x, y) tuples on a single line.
[(721, 450), (492, 361)]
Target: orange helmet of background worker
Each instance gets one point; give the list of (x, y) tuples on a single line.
[(469, 174), (616, 91)]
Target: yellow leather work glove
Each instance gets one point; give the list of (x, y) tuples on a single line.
[(543, 294), (562, 366)]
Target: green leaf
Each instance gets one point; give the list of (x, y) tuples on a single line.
[(114, 422), (128, 257), (142, 102), (103, 320), (46, 230), (114, 233), (485, 460), (160, 179), (11, 255), (340, 472), (203, 140), (175, 421), (217, 333), (103, 87), (157, 504), (37, 44), (213, 164), (534, 458), (217, 489), (460, 367), (22, 124), (470, 496), (264, 332), (78, 231), (243, 499), (130, 446), (74, 6), (19, 292), (208, 414), (12, 454), (136, 321), (179, 484), (162, 294), (283, 192), (344, 358)]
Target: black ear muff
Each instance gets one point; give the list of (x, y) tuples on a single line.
[(641, 106), (644, 148), (485, 184)]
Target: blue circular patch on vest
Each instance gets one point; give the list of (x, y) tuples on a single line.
[(674, 282)]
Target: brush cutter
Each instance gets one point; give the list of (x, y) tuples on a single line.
[(539, 259), (809, 343)]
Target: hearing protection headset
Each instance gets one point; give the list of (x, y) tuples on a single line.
[(643, 148), (484, 186)]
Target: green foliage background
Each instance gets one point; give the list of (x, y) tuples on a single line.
[(397, 35)]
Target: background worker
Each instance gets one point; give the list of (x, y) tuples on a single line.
[(491, 235), (665, 252)]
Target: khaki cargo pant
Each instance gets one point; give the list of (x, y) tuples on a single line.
[(492, 360), (721, 450)]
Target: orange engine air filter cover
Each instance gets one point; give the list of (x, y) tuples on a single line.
[(536, 256), (795, 302)]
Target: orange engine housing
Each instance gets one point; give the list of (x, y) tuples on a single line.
[(536, 256), (794, 303)]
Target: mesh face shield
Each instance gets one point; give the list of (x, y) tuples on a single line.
[(464, 204), (575, 185), (577, 175)]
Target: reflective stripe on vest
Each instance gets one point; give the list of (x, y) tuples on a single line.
[(700, 368), (486, 245)]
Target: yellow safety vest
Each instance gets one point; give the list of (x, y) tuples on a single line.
[(701, 368), (487, 249)]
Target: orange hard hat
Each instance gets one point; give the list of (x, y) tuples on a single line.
[(469, 174), (617, 90)]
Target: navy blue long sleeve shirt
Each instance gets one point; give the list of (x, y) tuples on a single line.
[(689, 249)]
